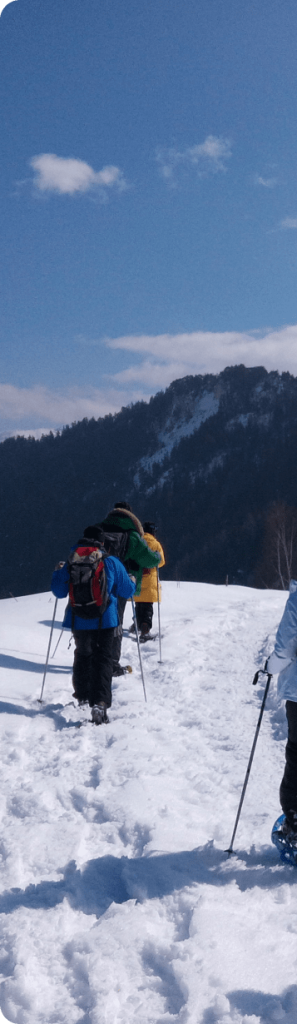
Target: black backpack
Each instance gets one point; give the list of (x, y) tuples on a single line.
[(116, 543), (88, 592)]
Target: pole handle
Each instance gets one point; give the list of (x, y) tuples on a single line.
[(260, 671)]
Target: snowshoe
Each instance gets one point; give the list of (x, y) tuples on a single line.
[(285, 841), (143, 639), (120, 670), (98, 713)]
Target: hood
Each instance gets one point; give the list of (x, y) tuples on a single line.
[(123, 514)]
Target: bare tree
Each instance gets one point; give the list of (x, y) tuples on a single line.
[(279, 561)]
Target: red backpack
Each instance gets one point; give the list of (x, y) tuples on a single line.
[(88, 592)]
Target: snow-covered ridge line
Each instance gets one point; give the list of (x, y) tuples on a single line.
[(205, 406)]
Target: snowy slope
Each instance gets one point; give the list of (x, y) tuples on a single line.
[(184, 425), (118, 903)]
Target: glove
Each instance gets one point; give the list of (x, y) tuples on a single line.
[(275, 664)]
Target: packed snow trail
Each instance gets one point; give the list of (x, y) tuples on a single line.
[(118, 903)]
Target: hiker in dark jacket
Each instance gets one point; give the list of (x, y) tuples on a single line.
[(136, 556), (92, 667)]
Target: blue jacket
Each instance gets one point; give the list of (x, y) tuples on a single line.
[(118, 585), (283, 661)]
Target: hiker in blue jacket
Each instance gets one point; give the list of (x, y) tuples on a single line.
[(92, 667), (283, 662)]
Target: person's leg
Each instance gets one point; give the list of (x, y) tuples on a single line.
[(148, 613), (144, 616), (101, 676), (288, 788), (138, 612), (117, 637), (82, 664)]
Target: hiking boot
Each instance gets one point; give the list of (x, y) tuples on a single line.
[(132, 628), (98, 712), (121, 670), (118, 670), (144, 629)]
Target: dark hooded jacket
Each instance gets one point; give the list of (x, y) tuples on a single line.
[(137, 555)]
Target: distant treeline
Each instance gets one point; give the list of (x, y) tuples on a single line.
[(211, 495)]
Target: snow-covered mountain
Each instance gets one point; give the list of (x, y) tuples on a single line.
[(236, 398), (118, 903), (206, 460)]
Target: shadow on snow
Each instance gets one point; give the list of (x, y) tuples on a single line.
[(49, 711), (7, 661), (108, 879), (260, 1006), (49, 622)]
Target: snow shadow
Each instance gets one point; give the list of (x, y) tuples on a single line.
[(49, 711), (7, 661), (260, 1006), (49, 622), (108, 879)]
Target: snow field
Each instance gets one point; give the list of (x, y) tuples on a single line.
[(118, 903)]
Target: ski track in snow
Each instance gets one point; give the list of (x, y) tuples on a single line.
[(118, 903)]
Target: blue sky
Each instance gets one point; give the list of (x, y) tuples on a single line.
[(148, 198)]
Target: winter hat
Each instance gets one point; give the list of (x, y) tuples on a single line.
[(150, 528), (94, 533), (123, 504)]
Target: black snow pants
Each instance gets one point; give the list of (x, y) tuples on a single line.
[(144, 613), (92, 666), (288, 788)]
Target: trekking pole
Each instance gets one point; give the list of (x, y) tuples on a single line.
[(48, 652), (138, 645), (53, 655), (159, 616), (255, 680)]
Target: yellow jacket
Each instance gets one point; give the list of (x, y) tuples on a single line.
[(149, 586)]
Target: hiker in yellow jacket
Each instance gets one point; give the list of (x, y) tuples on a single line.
[(149, 587)]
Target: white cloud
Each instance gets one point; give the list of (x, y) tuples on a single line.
[(27, 408), (68, 176), (36, 432), (209, 156), (266, 182), (289, 222), (155, 361), (168, 356), (213, 149)]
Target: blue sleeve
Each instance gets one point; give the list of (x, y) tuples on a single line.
[(60, 581), (123, 586)]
